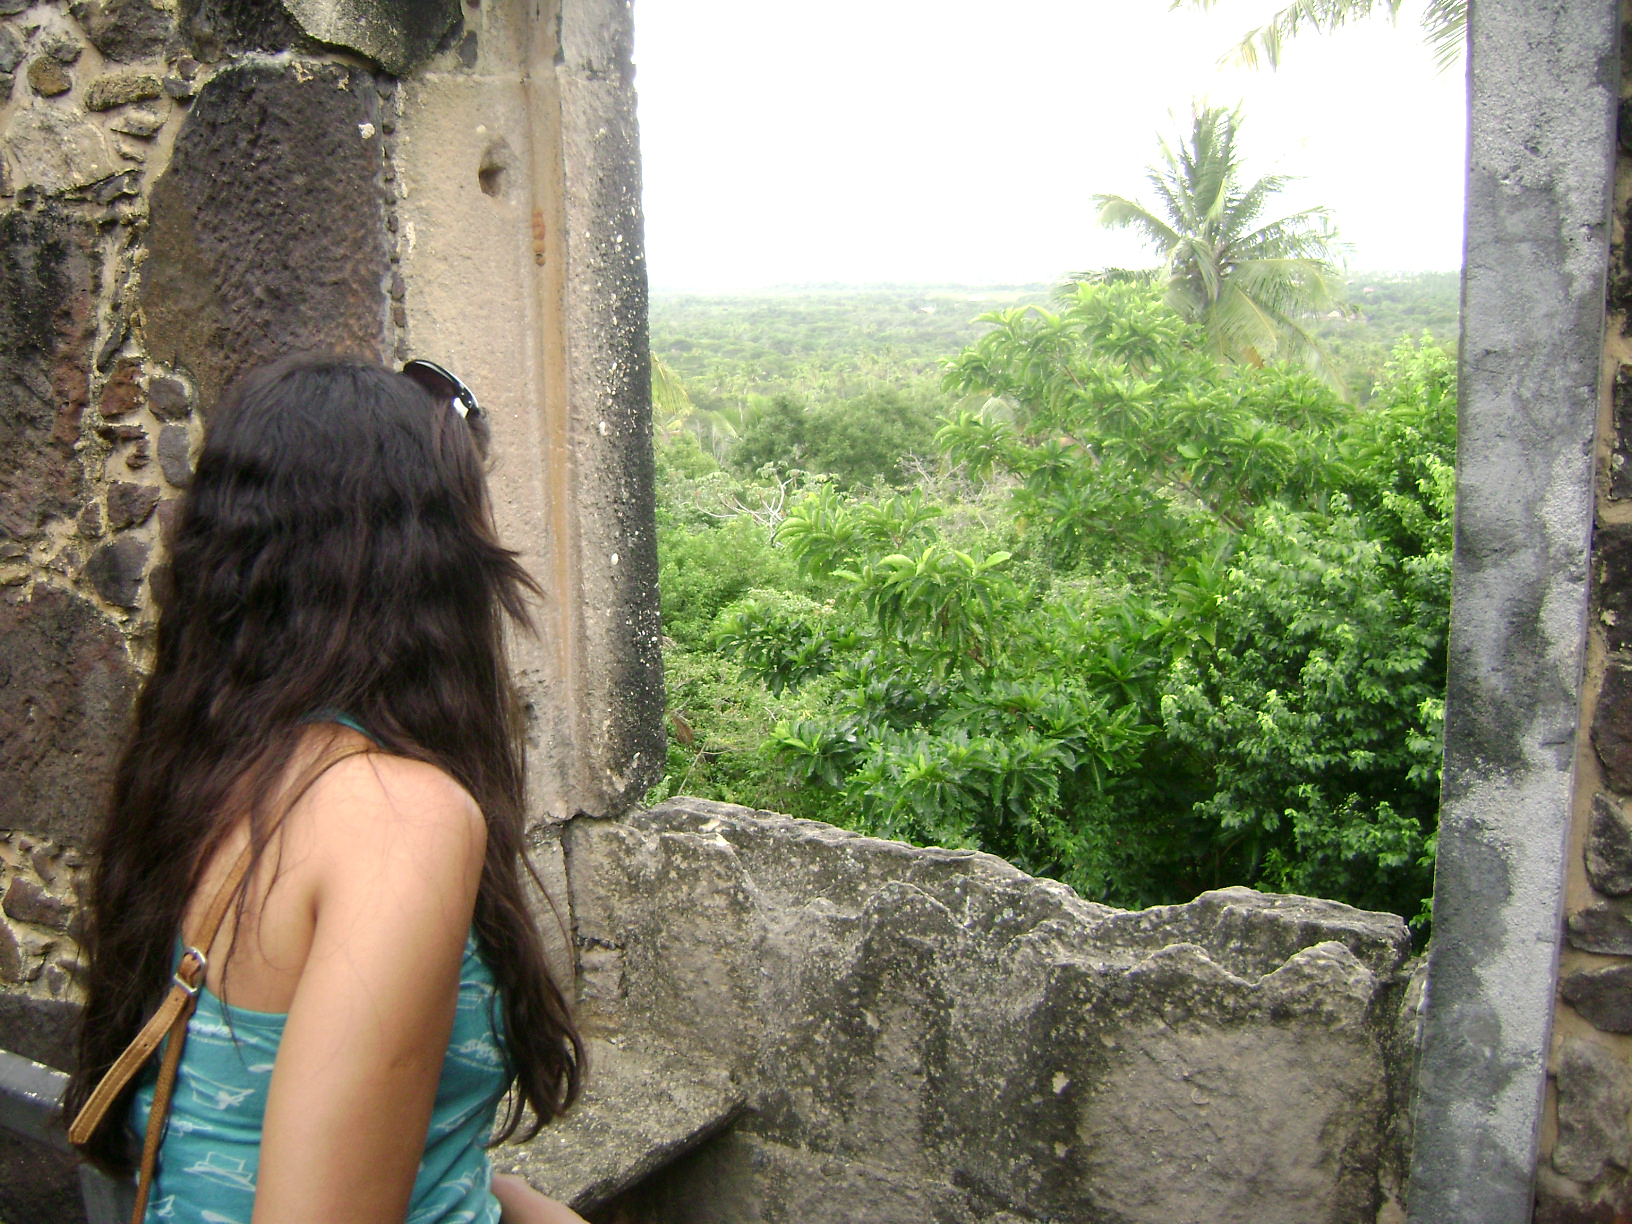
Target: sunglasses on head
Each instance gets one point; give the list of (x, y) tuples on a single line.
[(444, 385)]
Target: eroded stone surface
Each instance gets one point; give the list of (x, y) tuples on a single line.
[(1603, 996), (640, 1111), (48, 278), (130, 504), (127, 30), (397, 35), (66, 683), (117, 569), (1594, 1098), (121, 89), (276, 172), (1609, 847), (983, 1040), (1603, 928), (56, 151)]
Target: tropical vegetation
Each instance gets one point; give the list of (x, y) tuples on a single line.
[(1103, 601)]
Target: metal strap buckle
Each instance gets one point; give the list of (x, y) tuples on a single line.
[(203, 964)]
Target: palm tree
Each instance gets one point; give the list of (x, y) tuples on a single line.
[(1248, 283), (1444, 26)]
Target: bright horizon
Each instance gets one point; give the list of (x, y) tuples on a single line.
[(915, 143)]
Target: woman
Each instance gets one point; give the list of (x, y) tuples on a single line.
[(330, 703)]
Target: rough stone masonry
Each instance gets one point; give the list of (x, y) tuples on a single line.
[(788, 1022)]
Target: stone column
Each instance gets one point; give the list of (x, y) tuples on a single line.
[(1586, 1142), (188, 189), (1542, 96)]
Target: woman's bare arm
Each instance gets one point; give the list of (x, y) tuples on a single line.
[(521, 1204), (392, 850)]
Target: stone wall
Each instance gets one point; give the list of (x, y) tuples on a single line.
[(920, 1034), (192, 187), (1585, 1174)]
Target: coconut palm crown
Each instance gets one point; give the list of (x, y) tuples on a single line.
[(1250, 284)]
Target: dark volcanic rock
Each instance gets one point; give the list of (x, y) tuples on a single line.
[(1603, 996), (126, 30), (1609, 847), (130, 504), (168, 398), (216, 28), (28, 902), (173, 454), (397, 35), (1612, 557), (1612, 728), (116, 570), (66, 683), (267, 230), (49, 272), (122, 393)]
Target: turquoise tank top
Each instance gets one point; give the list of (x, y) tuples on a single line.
[(211, 1151)]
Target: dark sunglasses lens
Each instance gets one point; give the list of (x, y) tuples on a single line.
[(443, 385)]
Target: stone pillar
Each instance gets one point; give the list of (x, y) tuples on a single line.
[(188, 189), (1542, 79), (1586, 1143)]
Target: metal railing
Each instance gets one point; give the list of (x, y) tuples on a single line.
[(30, 1098)]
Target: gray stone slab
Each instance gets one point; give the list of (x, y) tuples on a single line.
[(268, 226), (1544, 77), (641, 1109)]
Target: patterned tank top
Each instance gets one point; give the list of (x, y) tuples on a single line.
[(211, 1151)]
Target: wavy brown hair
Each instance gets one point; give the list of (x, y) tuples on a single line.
[(335, 552)]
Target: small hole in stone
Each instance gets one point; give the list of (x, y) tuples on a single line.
[(493, 173)]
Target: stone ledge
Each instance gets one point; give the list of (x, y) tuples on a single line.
[(641, 1110)]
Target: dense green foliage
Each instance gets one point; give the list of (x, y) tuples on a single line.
[(1140, 619)]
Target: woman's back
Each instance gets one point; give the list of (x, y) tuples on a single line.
[(334, 551)]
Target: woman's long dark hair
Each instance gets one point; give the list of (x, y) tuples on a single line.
[(335, 552)]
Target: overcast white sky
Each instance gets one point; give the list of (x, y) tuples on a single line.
[(866, 141)]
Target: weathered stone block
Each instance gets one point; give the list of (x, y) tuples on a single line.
[(979, 1041), (640, 1111), (122, 393), (126, 30), (26, 901), (1606, 929), (48, 78), (57, 152), (1594, 1099), (175, 459), (66, 683), (168, 398), (1609, 847), (11, 49), (138, 122), (1602, 996), (49, 272), (218, 28), (1620, 458), (267, 228), (130, 504), (1612, 727), (116, 571), (121, 89), (398, 36)]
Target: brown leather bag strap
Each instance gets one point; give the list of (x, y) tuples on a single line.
[(170, 1020)]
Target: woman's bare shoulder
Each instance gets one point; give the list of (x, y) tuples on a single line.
[(380, 812)]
